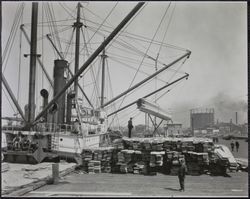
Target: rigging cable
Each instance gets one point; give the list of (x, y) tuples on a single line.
[(92, 72), (111, 90), (69, 13), (11, 38), (97, 90), (166, 29), (50, 29), (6, 95), (136, 37), (69, 44), (20, 61), (133, 48), (143, 57), (110, 12), (114, 59), (55, 27)]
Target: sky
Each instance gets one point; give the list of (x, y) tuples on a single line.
[(215, 33)]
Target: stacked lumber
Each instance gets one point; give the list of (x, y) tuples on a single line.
[(94, 167), (197, 163), (156, 158), (150, 155), (97, 160)]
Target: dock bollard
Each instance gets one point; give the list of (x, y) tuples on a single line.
[(55, 173)]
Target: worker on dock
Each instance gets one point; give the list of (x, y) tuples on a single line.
[(237, 145), (130, 127), (181, 174), (232, 146)]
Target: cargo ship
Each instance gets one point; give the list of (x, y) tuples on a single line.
[(69, 121)]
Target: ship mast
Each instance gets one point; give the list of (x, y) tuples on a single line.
[(77, 26), (104, 56), (33, 49)]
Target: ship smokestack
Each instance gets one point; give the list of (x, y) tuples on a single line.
[(44, 93), (59, 83), (70, 98), (236, 118)]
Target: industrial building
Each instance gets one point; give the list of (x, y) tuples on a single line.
[(174, 130), (201, 118)]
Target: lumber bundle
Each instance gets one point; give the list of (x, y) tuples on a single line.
[(97, 160), (151, 155)]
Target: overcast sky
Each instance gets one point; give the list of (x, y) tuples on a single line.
[(215, 33)]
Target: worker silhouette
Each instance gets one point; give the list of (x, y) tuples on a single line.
[(130, 127), (181, 174), (237, 145), (232, 146)]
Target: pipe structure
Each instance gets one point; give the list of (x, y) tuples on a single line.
[(33, 49), (70, 72), (44, 93), (38, 59), (12, 119), (91, 58), (12, 96), (148, 95), (148, 78), (70, 97)]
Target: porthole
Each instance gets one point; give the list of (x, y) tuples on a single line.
[(61, 139)]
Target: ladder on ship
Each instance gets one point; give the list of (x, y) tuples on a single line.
[(54, 142)]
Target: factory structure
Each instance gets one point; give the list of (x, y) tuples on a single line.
[(202, 122), (201, 119)]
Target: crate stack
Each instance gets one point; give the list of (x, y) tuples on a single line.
[(97, 160), (217, 165), (197, 163), (150, 155), (87, 155), (94, 166), (139, 168)]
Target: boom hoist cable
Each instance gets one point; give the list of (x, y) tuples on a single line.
[(144, 56), (12, 36)]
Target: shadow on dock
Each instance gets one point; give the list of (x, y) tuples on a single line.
[(172, 189)]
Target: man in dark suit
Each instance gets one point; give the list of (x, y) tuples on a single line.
[(130, 126), (181, 174)]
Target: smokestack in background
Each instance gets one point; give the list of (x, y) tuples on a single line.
[(236, 117)]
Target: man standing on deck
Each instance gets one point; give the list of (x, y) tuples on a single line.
[(130, 126), (181, 174)]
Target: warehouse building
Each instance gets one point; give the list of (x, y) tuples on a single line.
[(174, 130)]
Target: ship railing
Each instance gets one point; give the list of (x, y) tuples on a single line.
[(53, 127), (10, 128)]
